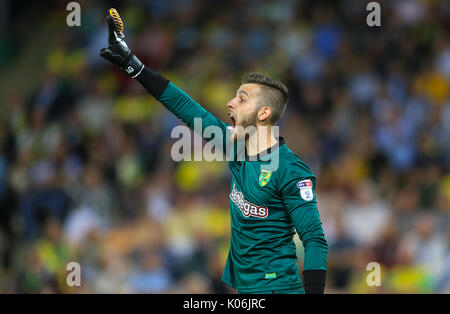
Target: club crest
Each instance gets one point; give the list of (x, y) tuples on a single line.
[(264, 177)]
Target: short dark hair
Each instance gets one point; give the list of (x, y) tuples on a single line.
[(274, 92)]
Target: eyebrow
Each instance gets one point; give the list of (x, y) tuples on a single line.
[(243, 92)]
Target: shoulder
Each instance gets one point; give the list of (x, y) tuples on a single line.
[(293, 171), (292, 165)]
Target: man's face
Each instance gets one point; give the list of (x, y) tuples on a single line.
[(243, 109)]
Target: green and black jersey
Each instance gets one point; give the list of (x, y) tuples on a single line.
[(267, 205)]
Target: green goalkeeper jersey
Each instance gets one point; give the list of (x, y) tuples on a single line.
[(271, 197)]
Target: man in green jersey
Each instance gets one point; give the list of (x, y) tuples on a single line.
[(272, 189)]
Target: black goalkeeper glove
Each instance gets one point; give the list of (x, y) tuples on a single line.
[(118, 52)]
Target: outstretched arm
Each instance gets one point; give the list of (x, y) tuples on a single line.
[(172, 97)]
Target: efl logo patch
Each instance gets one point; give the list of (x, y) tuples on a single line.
[(306, 191)]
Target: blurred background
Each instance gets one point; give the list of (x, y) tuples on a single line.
[(85, 168)]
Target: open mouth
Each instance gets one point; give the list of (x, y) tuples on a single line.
[(233, 120)]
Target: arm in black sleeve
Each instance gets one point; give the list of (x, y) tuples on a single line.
[(153, 82)]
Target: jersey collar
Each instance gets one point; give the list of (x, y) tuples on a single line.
[(265, 154)]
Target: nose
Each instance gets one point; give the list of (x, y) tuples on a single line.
[(231, 104)]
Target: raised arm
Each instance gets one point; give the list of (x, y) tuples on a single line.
[(172, 97)]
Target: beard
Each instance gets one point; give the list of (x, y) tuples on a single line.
[(244, 128)]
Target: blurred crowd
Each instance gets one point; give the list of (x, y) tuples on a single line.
[(86, 173)]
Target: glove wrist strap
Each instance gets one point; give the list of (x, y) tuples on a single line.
[(134, 67)]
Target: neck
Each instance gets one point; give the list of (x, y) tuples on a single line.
[(261, 140)]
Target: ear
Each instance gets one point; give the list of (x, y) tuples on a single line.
[(264, 113)]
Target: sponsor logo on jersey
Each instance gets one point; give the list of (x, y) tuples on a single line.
[(306, 191), (247, 208), (264, 177)]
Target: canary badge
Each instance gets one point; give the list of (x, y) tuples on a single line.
[(264, 177)]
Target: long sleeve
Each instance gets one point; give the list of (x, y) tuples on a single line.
[(300, 202), (182, 105)]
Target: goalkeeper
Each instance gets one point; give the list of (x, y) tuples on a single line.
[(266, 204)]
